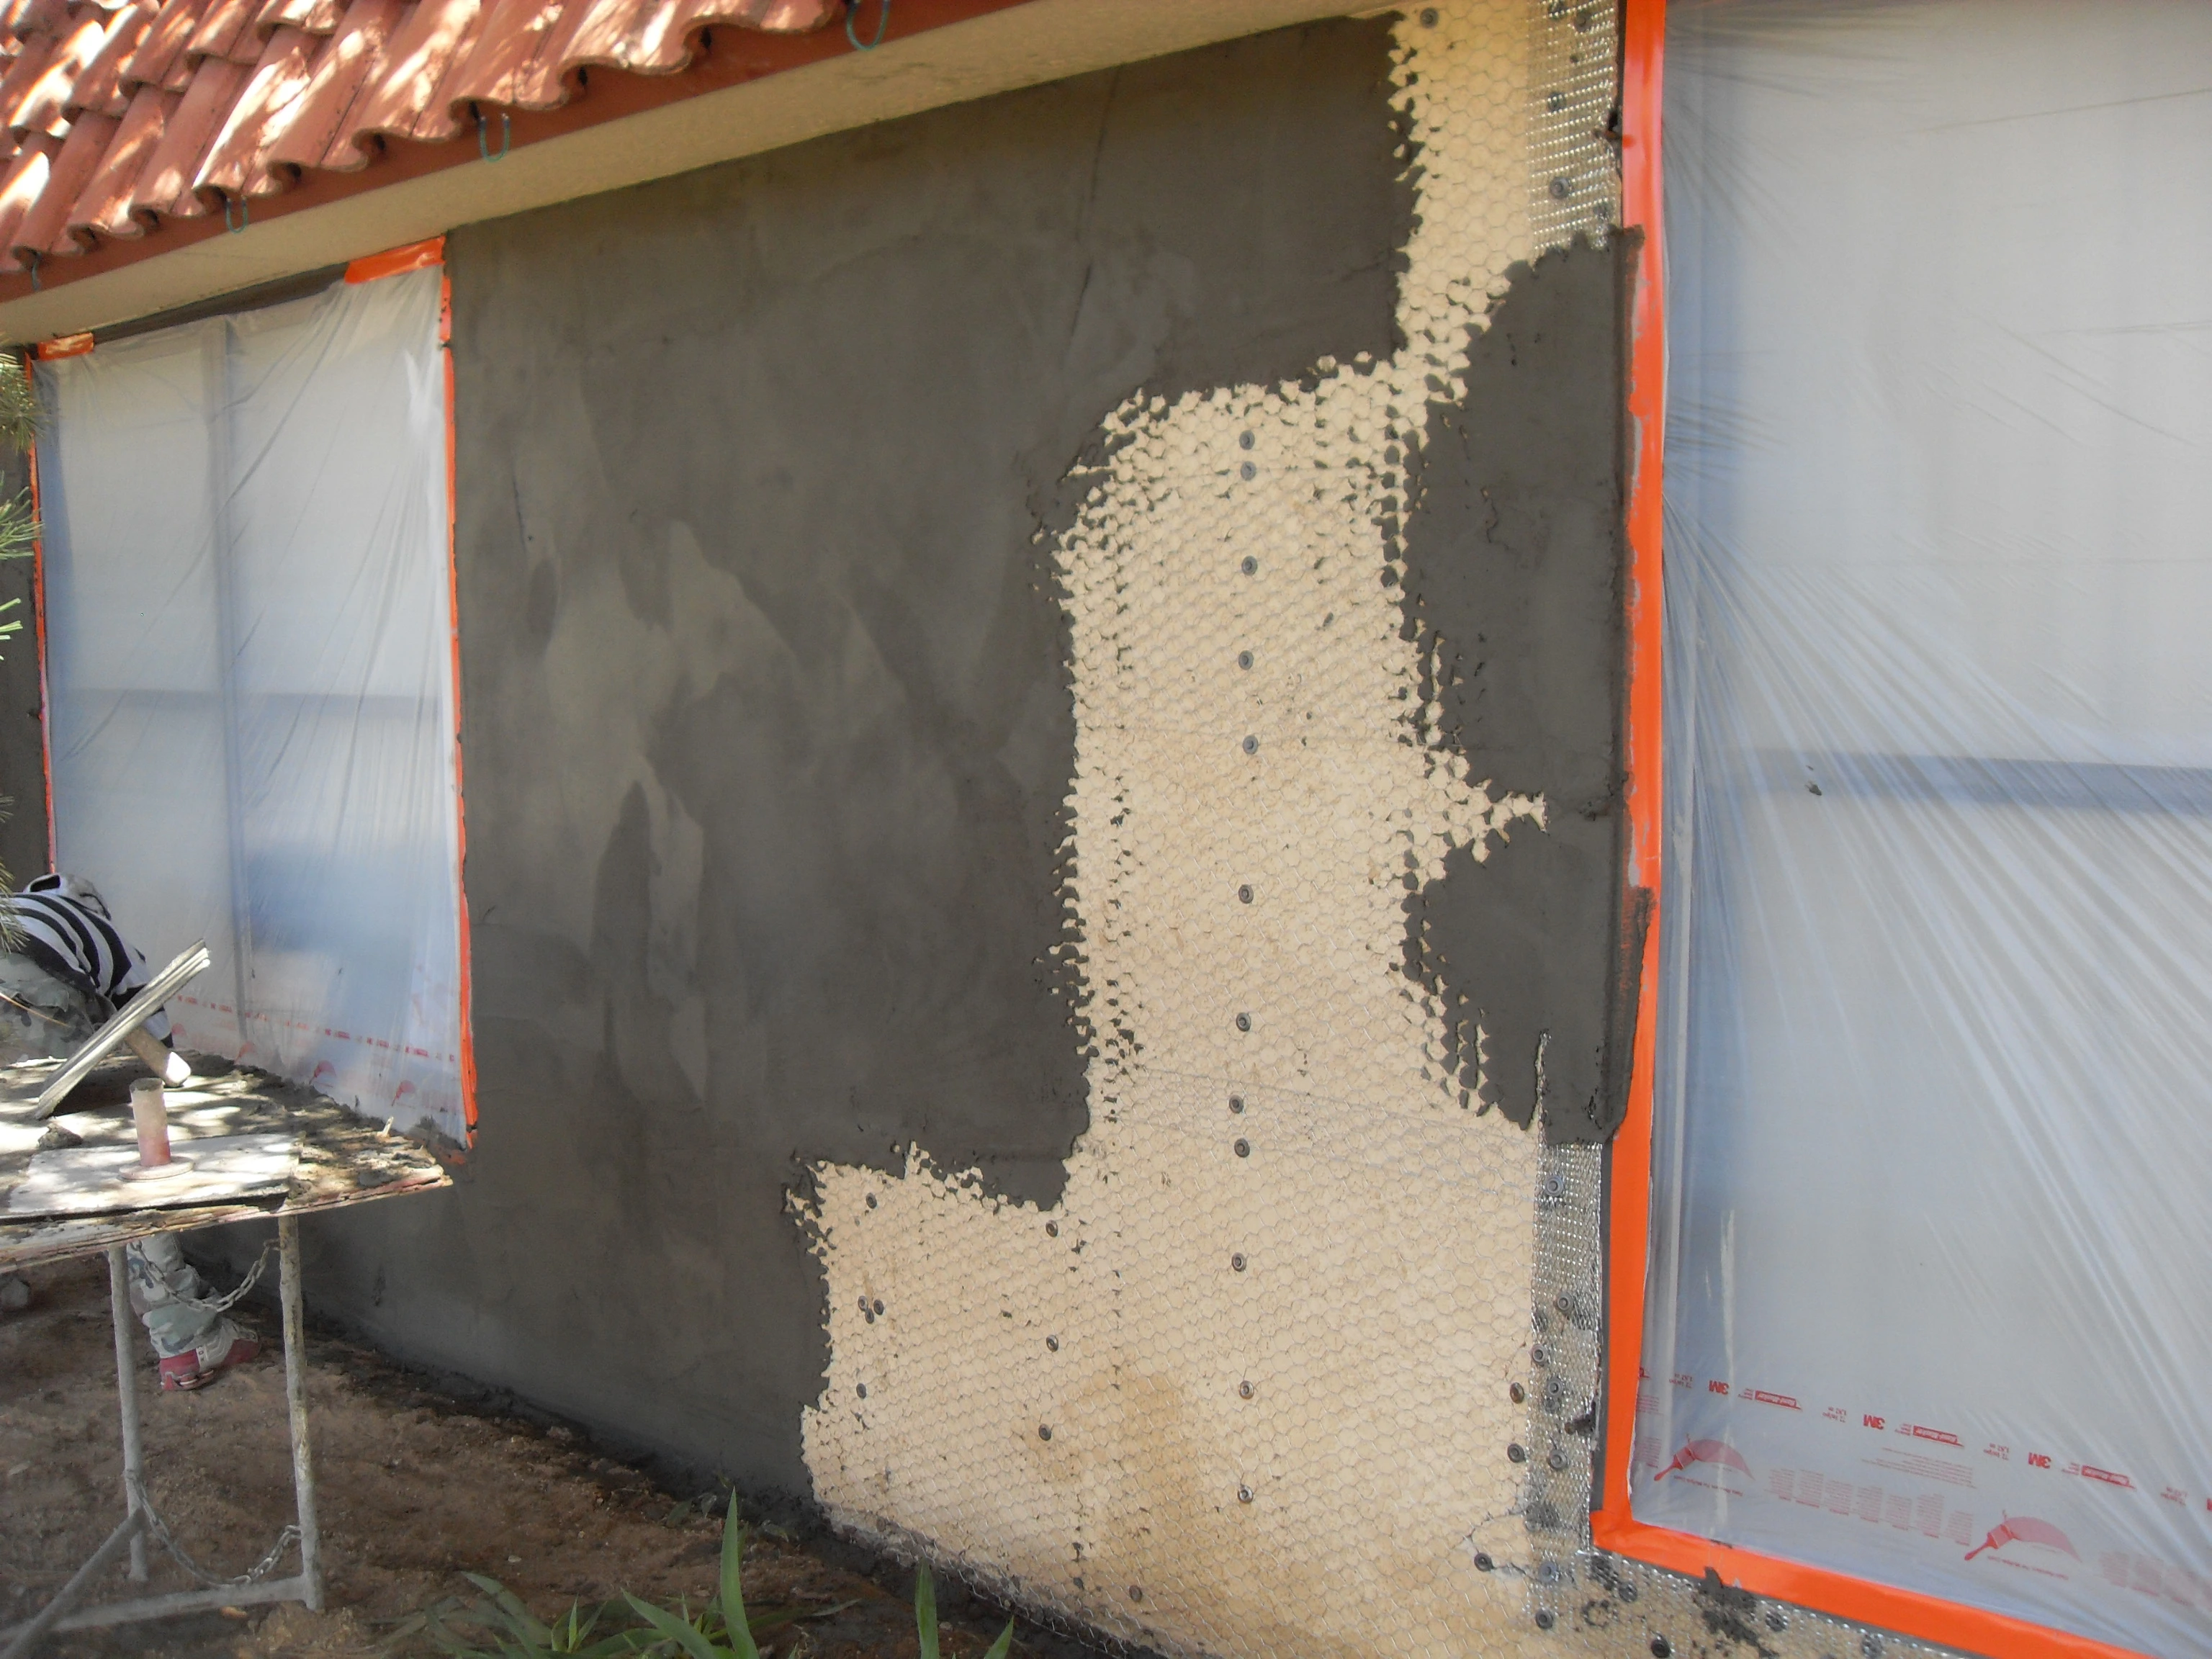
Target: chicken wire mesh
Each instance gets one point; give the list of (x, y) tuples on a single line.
[(1304, 1359)]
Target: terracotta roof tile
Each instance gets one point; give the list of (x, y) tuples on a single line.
[(28, 17), (103, 206), (112, 121), (101, 87), (225, 31), (316, 16), (166, 188), (237, 163), (162, 49), (24, 182), (319, 135), (43, 230), (23, 73)]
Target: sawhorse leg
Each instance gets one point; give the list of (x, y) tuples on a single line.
[(306, 1587), (126, 1393)]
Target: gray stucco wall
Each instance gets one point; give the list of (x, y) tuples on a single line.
[(22, 734), (765, 709)]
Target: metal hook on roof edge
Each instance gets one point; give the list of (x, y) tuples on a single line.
[(883, 22), (506, 137), (245, 216)]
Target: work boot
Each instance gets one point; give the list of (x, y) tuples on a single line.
[(223, 1348)]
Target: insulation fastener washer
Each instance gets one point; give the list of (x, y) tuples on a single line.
[(1243, 1494), (1518, 1393), (1243, 1022), (1661, 1648), (1558, 1460), (1250, 567), (1483, 1562), (1237, 1262), (1245, 440), (1243, 1391), (1235, 1102), (1244, 659), (1243, 1148), (1052, 1345), (1044, 1431), (1517, 1453), (1251, 745), (1543, 1619), (1244, 894)]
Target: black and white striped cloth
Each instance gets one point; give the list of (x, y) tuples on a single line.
[(66, 930)]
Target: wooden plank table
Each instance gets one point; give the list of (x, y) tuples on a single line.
[(343, 1159)]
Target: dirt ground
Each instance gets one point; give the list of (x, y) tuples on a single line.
[(415, 1487)]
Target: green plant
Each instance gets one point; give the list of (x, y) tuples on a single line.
[(497, 1624), (692, 1635), (925, 1619)]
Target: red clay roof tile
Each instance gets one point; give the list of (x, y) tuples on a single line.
[(225, 31), (166, 188), (237, 162), (319, 17), (26, 178), (341, 75), (103, 206), (162, 49), (44, 230), (41, 107), (113, 121), (101, 87)]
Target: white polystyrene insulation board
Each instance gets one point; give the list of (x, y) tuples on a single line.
[(250, 665), (1932, 1135)]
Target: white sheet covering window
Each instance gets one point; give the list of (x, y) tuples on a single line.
[(249, 655), (1932, 1233)]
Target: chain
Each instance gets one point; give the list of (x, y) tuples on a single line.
[(252, 1575), (224, 1303)]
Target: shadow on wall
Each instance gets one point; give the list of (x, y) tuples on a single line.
[(768, 721)]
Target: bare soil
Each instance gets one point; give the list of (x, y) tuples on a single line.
[(415, 1486)]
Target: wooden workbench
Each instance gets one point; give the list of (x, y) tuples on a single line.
[(343, 1159)]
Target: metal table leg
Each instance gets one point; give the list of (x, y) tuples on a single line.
[(295, 1402), (306, 1587), (126, 1393)]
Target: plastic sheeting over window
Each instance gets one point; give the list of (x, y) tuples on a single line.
[(249, 667), (1933, 1134)]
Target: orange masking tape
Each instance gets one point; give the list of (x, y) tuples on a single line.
[(398, 261)]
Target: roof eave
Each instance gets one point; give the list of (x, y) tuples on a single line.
[(775, 92)]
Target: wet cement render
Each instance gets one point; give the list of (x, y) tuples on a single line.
[(766, 715), (1516, 556), (23, 733)]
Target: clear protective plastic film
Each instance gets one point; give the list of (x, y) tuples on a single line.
[(1932, 1136), (249, 670)]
